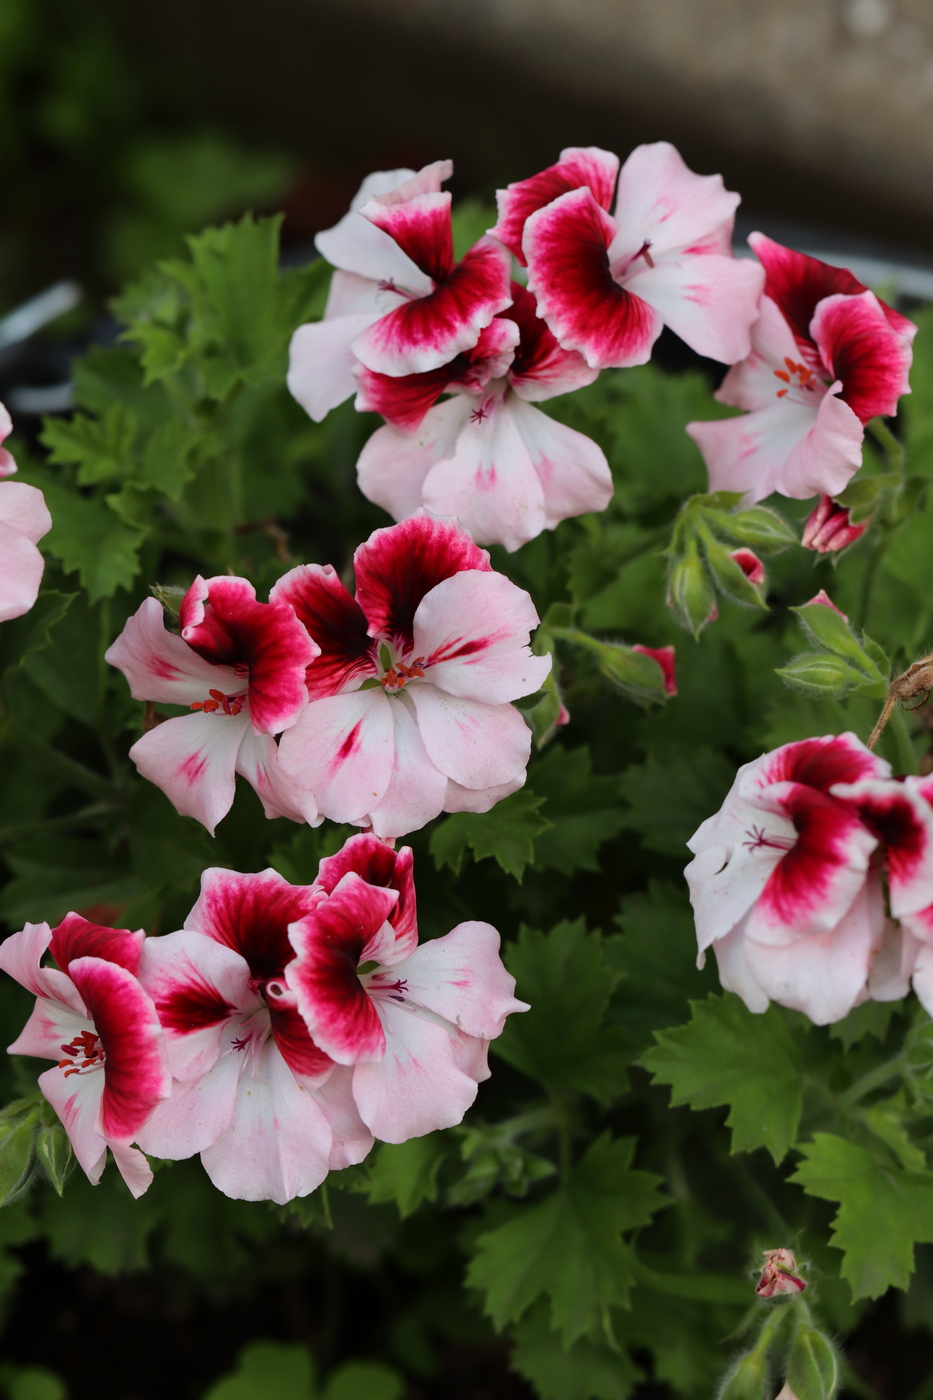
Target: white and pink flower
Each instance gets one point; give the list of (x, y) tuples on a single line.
[(399, 302), (239, 666), (787, 878), (24, 519), (487, 456), (606, 285), (95, 1020), (410, 711), (826, 357)]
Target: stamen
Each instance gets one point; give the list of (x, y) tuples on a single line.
[(392, 989), (805, 377), (759, 839), (644, 253), (88, 1046), (241, 1044), (230, 704), (479, 414), (396, 676)]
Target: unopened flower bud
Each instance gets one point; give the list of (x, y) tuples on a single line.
[(813, 1366), (690, 595), (665, 658), (750, 564), (778, 1274), (785, 1393), (827, 602), (830, 528)]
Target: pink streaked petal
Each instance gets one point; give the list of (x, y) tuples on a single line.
[(398, 565), (392, 468), (578, 166), (133, 1167), (306, 1060), (541, 368), (336, 623), (135, 1072), (462, 799), (902, 820), (23, 508), (473, 631), (251, 914), (321, 362), (662, 202), (726, 880), (159, 666), (192, 758), (489, 481), (430, 330), (378, 863), (77, 1101), (21, 955), (859, 347), (352, 1139), (279, 1141), (196, 985), (567, 245), (461, 978), (356, 245), (403, 399), (197, 1112), (753, 383), (820, 763), (258, 762), (735, 975), (572, 469), (341, 750), (710, 301), (76, 937), (416, 791), (8, 465), (477, 745), (21, 570), (750, 564), (421, 227), (418, 1085), (51, 1025)]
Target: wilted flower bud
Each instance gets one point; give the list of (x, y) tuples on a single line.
[(829, 528), (778, 1274), (665, 658)]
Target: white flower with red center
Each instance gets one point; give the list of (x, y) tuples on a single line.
[(410, 711), (269, 1112), (414, 1022), (606, 285), (826, 357), (487, 456), (786, 883), (399, 302), (97, 1023), (239, 668), (24, 519)]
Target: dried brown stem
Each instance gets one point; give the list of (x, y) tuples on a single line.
[(914, 684)]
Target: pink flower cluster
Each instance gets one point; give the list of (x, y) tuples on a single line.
[(24, 519), (278, 1034), (406, 324), (392, 706), (813, 884)]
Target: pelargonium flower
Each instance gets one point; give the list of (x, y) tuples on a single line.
[(410, 711), (505, 469), (786, 883), (239, 667), (778, 1274), (24, 519), (95, 1020), (829, 527), (606, 285), (269, 1112), (414, 1022), (826, 357), (398, 302)]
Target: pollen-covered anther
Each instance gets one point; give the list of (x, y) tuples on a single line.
[(805, 378), (86, 1053), (396, 676), (229, 704)]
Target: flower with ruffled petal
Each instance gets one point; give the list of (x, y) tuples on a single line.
[(778, 1275), (95, 1020), (410, 711), (505, 469), (826, 357), (606, 284), (829, 528), (239, 667), (24, 519)]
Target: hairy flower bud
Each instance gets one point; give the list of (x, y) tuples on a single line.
[(812, 1367), (690, 595), (829, 528), (778, 1274)]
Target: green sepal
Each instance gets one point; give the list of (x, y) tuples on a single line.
[(53, 1149), (757, 528), (831, 630), (813, 1366), (821, 673), (730, 577), (690, 594), (169, 595)]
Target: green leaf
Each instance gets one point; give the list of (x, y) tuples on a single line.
[(507, 832), (90, 540), (727, 1055), (102, 448), (266, 1369), (405, 1174), (53, 1149), (883, 1211), (672, 792), (17, 1142), (570, 1247), (562, 1041), (364, 1380), (584, 1371), (22, 636), (655, 955), (583, 809), (36, 1383)]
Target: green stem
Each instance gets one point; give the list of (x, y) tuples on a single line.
[(88, 814), (906, 758), (870, 574), (892, 447), (874, 1079)]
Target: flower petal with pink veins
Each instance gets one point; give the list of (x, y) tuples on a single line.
[(321, 362), (77, 1101), (402, 399), (356, 245), (477, 745), (352, 1139), (197, 1112), (342, 750), (133, 1167), (335, 621), (416, 791), (21, 955), (578, 166), (192, 758), (753, 383), (196, 985), (572, 469), (258, 762), (567, 247), (473, 630), (902, 821), (398, 565), (304, 1057), (418, 1085), (378, 864), (279, 1141), (725, 881), (76, 937), (710, 301), (23, 508), (427, 331), (541, 367), (420, 226), (330, 944), (663, 203), (461, 978), (21, 569), (51, 1025), (859, 347), (392, 468), (250, 914), (462, 799), (159, 666), (135, 1072)]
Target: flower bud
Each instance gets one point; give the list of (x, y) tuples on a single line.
[(638, 671), (830, 528), (778, 1274), (750, 564), (812, 1367), (665, 658), (690, 595), (821, 674), (749, 1376)]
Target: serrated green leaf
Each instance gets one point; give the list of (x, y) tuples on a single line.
[(405, 1174), (672, 792), (23, 636), (507, 832), (91, 541), (584, 1371), (727, 1055), (102, 448), (583, 809)]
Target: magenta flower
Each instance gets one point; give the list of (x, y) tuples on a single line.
[(24, 519), (239, 666), (505, 469), (95, 1020), (606, 285), (826, 357), (786, 883), (399, 302), (410, 711), (829, 528)]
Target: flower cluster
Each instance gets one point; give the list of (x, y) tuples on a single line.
[(813, 884), (279, 1033), (406, 324), (393, 705), (24, 519)]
